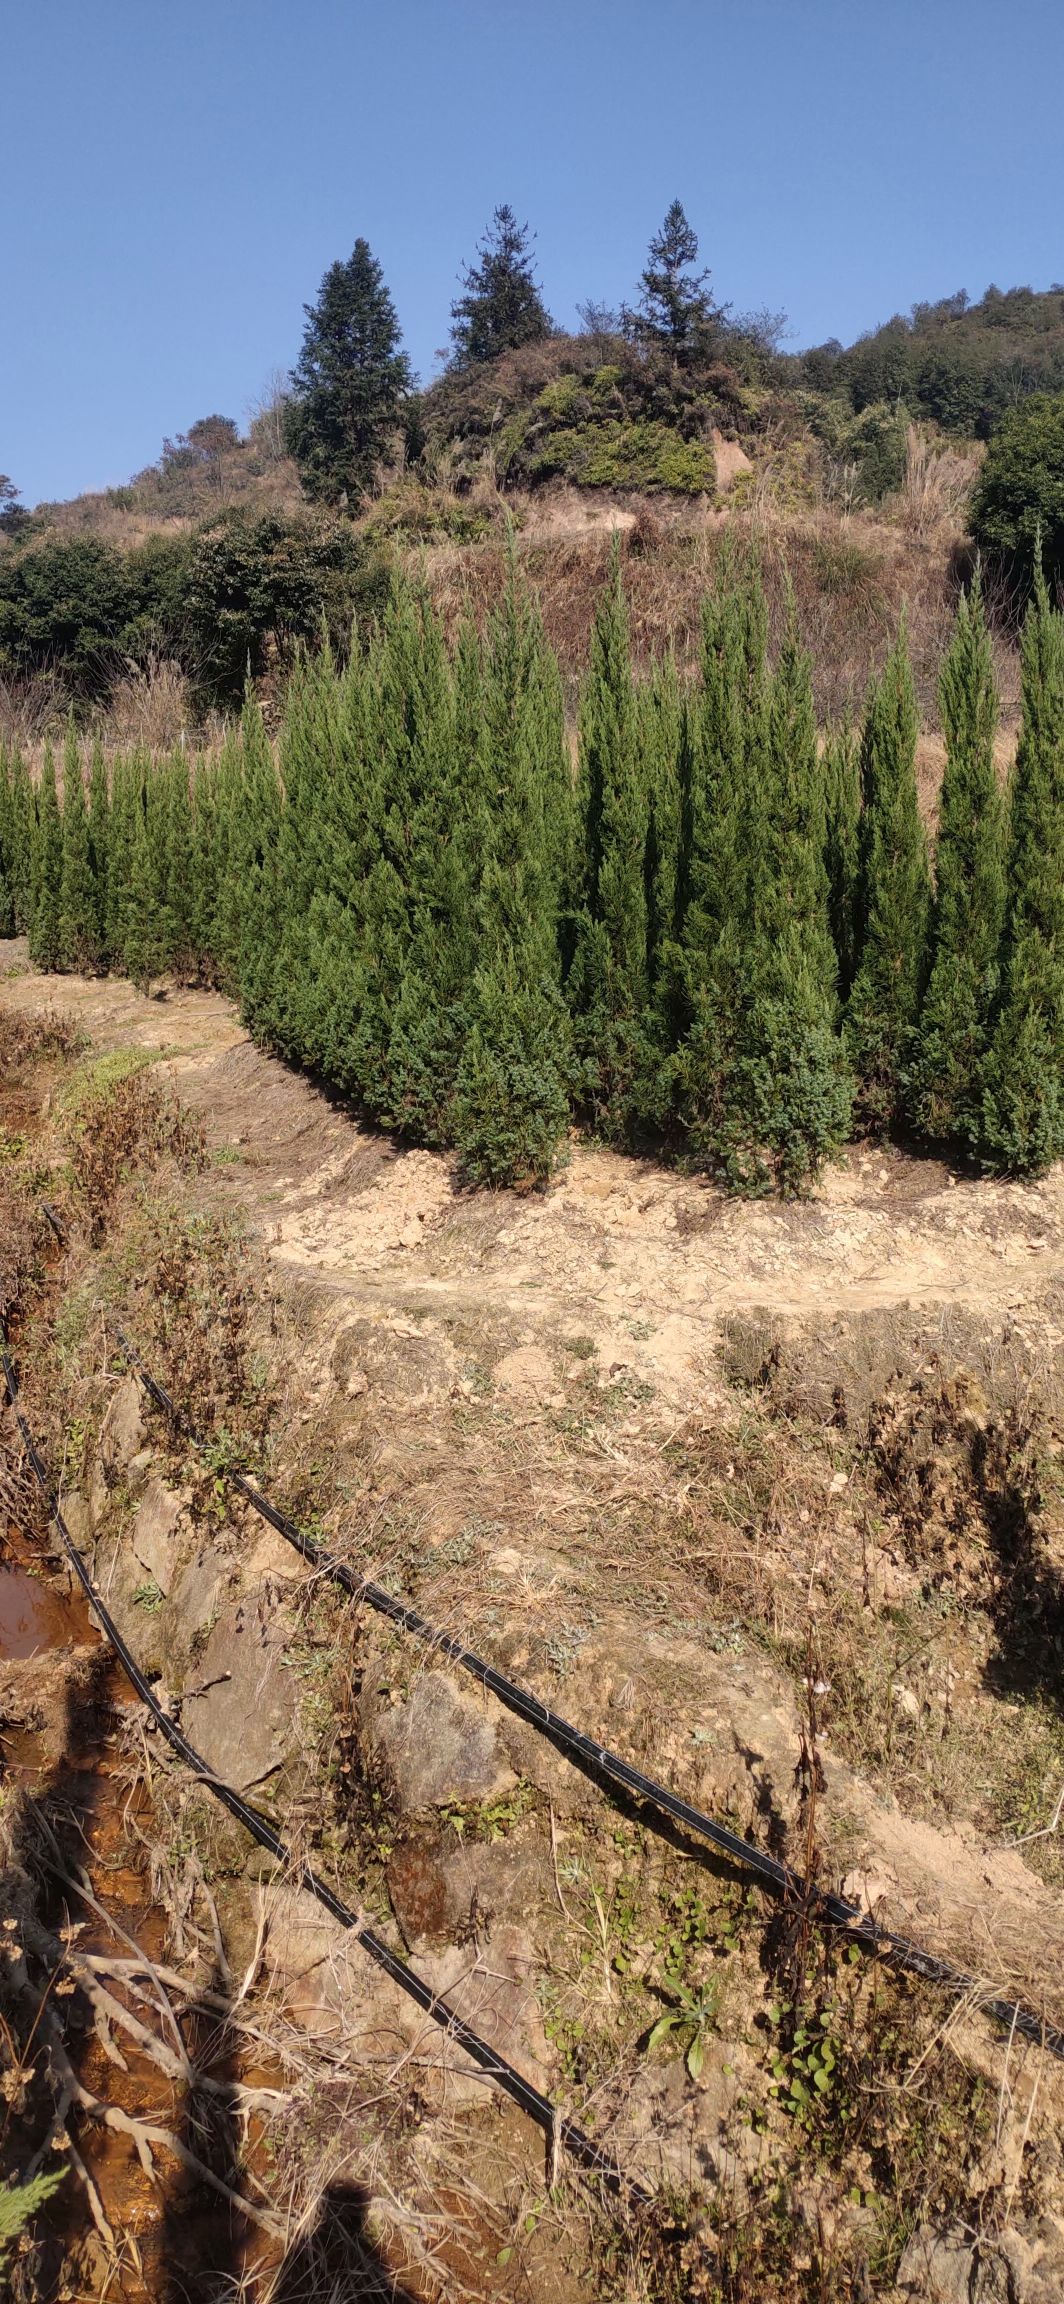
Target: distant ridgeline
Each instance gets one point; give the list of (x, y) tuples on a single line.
[(720, 937)]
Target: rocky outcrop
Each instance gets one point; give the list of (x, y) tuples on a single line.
[(439, 1746)]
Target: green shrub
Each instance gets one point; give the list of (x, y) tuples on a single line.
[(1019, 495)]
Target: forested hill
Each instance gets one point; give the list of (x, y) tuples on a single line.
[(963, 365)]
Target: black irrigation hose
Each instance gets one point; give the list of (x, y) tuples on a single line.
[(496, 2068), (606, 1766)]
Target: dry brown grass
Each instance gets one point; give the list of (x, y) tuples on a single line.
[(851, 578), (151, 709)]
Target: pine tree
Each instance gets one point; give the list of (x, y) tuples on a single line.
[(675, 309), (609, 982), (894, 897), (45, 948), (1022, 1112), (500, 307), (946, 1074), (78, 935), (841, 779), (350, 382)]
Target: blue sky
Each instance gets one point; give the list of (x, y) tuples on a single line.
[(174, 180)]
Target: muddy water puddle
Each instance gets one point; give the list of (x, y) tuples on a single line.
[(85, 1814), (33, 1616)]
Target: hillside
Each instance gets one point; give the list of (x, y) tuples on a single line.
[(852, 466)]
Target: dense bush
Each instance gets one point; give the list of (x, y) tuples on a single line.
[(1018, 501), (234, 597), (718, 937)]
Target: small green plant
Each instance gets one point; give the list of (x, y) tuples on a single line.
[(149, 1597), (805, 2072), (690, 2020), (18, 2202)]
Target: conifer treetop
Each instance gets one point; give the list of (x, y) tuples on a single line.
[(349, 382), (501, 306), (675, 305)]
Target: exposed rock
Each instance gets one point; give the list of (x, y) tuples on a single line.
[(195, 1598), (122, 1430), (1020, 2265), (243, 1716), (331, 1987), (457, 1894), (77, 1512), (154, 1532), (493, 1988), (440, 1746), (138, 1470), (418, 1891), (272, 1556)]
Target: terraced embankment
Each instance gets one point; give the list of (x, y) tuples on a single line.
[(688, 1468)]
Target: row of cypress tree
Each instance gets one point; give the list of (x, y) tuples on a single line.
[(718, 935)]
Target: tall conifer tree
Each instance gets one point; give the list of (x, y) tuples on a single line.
[(894, 899), (722, 849), (841, 778), (8, 847), (511, 1109), (99, 829), (946, 1073), (24, 825), (609, 981), (78, 940), (1022, 1111), (45, 939)]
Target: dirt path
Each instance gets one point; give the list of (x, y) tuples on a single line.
[(642, 1262)]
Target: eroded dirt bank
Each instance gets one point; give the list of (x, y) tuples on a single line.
[(687, 1466)]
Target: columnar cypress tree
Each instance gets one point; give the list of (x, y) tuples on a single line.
[(224, 933), (665, 750), (1021, 1123), (144, 946), (894, 899), (24, 829), (346, 849), (78, 938), (45, 949), (254, 838), (7, 847), (510, 1106), (946, 1072), (204, 898), (609, 980), (99, 832), (127, 776), (722, 848), (404, 963), (841, 780), (177, 890), (788, 1103)]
